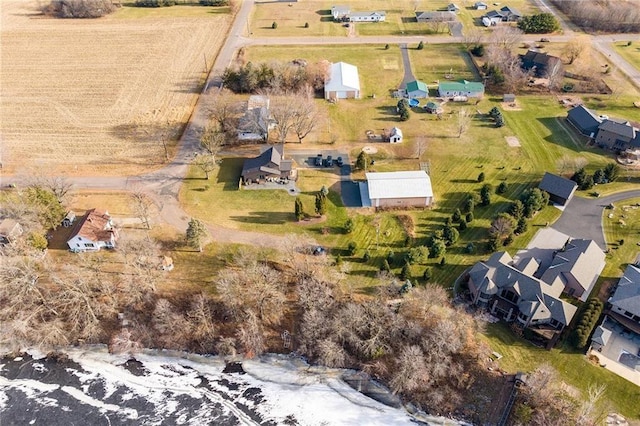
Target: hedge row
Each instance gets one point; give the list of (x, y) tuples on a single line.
[(588, 321)]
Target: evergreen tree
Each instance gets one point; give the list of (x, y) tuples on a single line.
[(299, 209), (196, 231), (321, 203), (385, 266), (362, 161), (405, 272)]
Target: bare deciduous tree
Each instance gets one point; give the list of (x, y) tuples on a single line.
[(224, 110), (283, 110), (305, 118), (205, 162), (200, 317), (141, 204), (472, 37), (171, 326), (212, 140), (502, 226), (123, 343), (505, 37), (251, 335), (464, 121), (410, 372), (575, 47)]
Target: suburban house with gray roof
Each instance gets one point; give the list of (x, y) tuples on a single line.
[(541, 64), (560, 189), (584, 120), (625, 301), (375, 16), (527, 287), (608, 133), (256, 123), (618, 135), (511, 292), (270, 165)]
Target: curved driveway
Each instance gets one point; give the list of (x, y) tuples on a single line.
[(582, 217)]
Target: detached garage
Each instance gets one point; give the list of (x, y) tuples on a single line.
[(400, 189), (344, 82)]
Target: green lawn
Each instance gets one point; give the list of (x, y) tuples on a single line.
[(630, 53), (623, 226), (574, 368)]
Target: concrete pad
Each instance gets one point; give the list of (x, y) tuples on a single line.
[(364, 194)]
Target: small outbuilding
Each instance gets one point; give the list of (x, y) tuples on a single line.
[(433, 108), (480, 5), (69, 219), (560, 189), (395, 136), (509, 98), (452, 7), (417, 89), (10, 230)]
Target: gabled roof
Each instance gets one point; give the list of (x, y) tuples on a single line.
[(507, 10), (10, 228), (528, 265), (601, 335), (583, 118), (374, 13), (417, 85), (557, 185), (627, 295), (493, 14), (461, 86), (560, 310), (443, 16), (343, 77), (264, 161), (94, 226), (395, 131), (581, 259), (623, 128), (409, 184), (540, 60)]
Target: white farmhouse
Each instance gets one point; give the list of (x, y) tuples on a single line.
[(94, 231)]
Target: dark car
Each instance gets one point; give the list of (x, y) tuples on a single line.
[(318, 160), (329, 161), (339, 161)]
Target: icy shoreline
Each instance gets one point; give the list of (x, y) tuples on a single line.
[(169, 387)]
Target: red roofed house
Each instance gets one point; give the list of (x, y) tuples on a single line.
[(94, 231)]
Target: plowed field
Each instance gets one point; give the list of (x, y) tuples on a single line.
[(89, 97)]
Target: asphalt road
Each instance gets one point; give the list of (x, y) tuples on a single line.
[(582, 217)]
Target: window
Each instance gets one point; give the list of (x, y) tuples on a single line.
[(510, 296), (88, 245), (77, 244)]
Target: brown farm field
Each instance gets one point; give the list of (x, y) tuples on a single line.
[(95, 96)]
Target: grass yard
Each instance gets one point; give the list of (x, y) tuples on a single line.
[(519, 355), (400, 18), (630, 53), (96, 96), (621, 224), (441, 62)]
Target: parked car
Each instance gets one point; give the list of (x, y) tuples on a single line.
[(318, 160), (339, 161), (544, 40), (329, 161)]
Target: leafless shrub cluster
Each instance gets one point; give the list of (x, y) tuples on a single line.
[(603, 15), (79, 8)]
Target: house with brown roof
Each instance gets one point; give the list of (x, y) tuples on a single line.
[(95, 230)]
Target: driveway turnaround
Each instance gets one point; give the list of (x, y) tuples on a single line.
[(582, 217)]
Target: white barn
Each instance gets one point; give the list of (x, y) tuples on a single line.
[(400, 189), (395, 136), (344, 82)]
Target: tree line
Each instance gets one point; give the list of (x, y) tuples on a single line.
[(604, 15)]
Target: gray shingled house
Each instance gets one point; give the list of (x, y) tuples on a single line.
[(541, 64), (560, 189), (267, 166), (617, 135), (625, 302), (584, 120)]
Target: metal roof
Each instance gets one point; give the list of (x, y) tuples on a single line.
[(412, 184), (343, 77)]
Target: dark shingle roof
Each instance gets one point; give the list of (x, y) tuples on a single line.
[(506, 10), (271, 155), (623, 129), (585, 120), (557, 185)]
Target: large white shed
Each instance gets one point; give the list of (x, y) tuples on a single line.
[(400, 189), (344, 82)]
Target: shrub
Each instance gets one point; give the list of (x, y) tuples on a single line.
[(418, 254), (420, 45), (274, 25), (443, 261), (427, 274), (214, 2), (493, 244), (587, 322), (351, 248), (450, 235), (385, 266), (470, 248), (362, 161), (457, 215), (469, 217), (539, 24), (306, 25), (299, 209), (478, 50), (405, 272), (386, 47), (462, 225), (481, 177), (437, 249), (502, 188), (391, 257), (485, 194), (367, 256), (507, 241), (349, 226), (338, 260), (155, 3), (522, 226)]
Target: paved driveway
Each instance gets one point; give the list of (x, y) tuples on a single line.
[(582, 217)]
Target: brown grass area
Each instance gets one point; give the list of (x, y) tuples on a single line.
[(93, 96)]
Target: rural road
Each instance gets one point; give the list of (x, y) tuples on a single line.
[(582, 217), (164, 185)]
